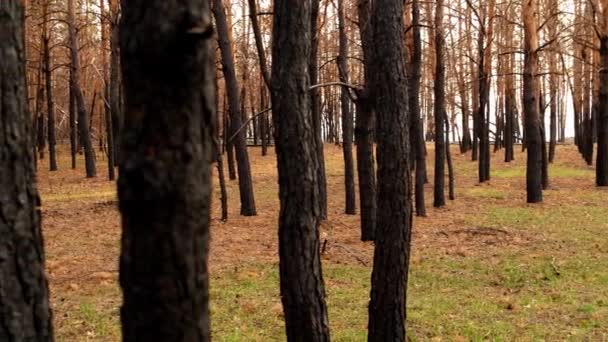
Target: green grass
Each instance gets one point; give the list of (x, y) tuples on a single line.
[(555, 171), (486, 193)]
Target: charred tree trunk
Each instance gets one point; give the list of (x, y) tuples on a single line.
[(387, 307), (531, 106), (72, 114), (164, 184), (234, 105), (317, 116), (417, 132), (115, 91), (448, 156), (439, 108), (364, 132), (48, 77), (602, 132), (83, 117), (302, 288), (347, 116), (26, 314)]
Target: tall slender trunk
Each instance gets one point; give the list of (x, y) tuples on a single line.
[(83, 117), (602, 132), (387, 307), (417, 132), (234, 104), (531, 104), (364, 131), (347, 115), (439, 108), (302, 288), (317, 115), (26, 314)]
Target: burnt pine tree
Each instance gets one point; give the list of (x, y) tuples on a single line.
[(164, 184), (24, 303), (602, 122), (75, 88), (534, 184), (364, 129), (237, 135), (393, 233), (417, 132), (48, 81), (315, 98), (302, 288), (347, 115), (439, 104)]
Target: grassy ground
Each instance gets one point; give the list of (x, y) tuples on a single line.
[(486, 267)]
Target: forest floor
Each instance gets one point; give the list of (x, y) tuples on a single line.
[(488, 266)]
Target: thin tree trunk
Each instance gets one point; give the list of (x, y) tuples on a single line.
[(531, 104), (115, 90), (387, 308), (26, 314), (439, 109), (602, 132), (302, 288), (317, 115), (347, 116), (234, 104), (164, 185), (83, 118), (364, 131), (448, 156), (419, 146)]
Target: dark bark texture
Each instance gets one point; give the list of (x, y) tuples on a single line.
[(164, 184), (317, 116), (439, 108), (417, 133), (602, 132), (83, 116), (531, 106), (25, 314), (364, 132), (347, 116), (302, 288), (234, 105), (391, 254)]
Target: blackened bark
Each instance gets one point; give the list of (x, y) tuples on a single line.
[(439, 110), (235, 109), (115, 82), (83, 116), (24, 303), (387, 308), (50, 105), (164, 184), (448, 156), (347, 115), (543, 139), (317, 116), (72, 117), (364, 130), (602, 132), (417, 133), (531, 107), (510, 122), (39, 123), (302, 288), (553, 117)]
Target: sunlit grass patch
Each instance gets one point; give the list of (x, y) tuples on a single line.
[(486, 192), (61, 197)]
